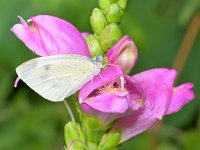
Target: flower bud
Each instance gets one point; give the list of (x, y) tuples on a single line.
[(114, 13), (74, 136), (110, 140), (98, 21), (123, 53), (104, 4), (122, 3), (93, 129), (110, 35), (94, 45)]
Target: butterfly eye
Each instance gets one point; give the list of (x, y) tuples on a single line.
[(99, 58)]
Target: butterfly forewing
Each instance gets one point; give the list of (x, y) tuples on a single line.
[(56, 77)]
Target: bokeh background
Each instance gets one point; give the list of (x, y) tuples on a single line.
[(159, 28)]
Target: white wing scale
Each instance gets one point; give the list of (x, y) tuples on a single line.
[(57, 77)]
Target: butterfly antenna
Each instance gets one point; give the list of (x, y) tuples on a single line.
[(112, 64), (69, 111), (100, 76)]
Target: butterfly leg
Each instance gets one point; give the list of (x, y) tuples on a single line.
[(91, 82), (110, 64), (100, 76)]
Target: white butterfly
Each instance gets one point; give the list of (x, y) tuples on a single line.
[(59, 76)]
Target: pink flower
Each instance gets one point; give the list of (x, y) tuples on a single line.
[(136, 104), (49, 35), (108, 94), (123, 53)]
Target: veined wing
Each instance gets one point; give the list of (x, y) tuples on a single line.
[(56, 77)]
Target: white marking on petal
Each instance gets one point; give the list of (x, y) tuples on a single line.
[(81, 100), (122, 82), (29, 20)]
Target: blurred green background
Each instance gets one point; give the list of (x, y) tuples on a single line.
[(28, 122)]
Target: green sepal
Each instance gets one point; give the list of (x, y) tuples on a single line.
[(122, 3), (114, 13), (110, 140), (109, 36), (74, 136), (98, 21), (94, 45), (93, 129)]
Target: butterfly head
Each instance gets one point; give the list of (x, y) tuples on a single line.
[(98, 60)]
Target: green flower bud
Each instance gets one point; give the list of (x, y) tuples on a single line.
[(122, 3), (98, 21), (94, 45), (113, 1), (114, 14), (74, 136), (104, 4), (110, 35), (110, 140), (93, 129)]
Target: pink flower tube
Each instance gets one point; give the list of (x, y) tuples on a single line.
[(49, 35)]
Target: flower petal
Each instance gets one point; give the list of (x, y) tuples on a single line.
[(50, 35), (134, 124), (136, 93), (157, 85), (103, 117), (109, 102), (181, 96)]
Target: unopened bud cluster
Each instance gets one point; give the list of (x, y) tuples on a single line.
[(105, 22), (93, 136)]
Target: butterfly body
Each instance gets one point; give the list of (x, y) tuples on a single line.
[(59, 76)]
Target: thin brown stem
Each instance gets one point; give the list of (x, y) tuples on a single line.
[(187, 44), (179, 63)]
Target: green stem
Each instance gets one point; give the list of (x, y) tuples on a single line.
[(69, 110)]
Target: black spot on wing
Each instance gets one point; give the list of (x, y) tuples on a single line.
[(47, 67)]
